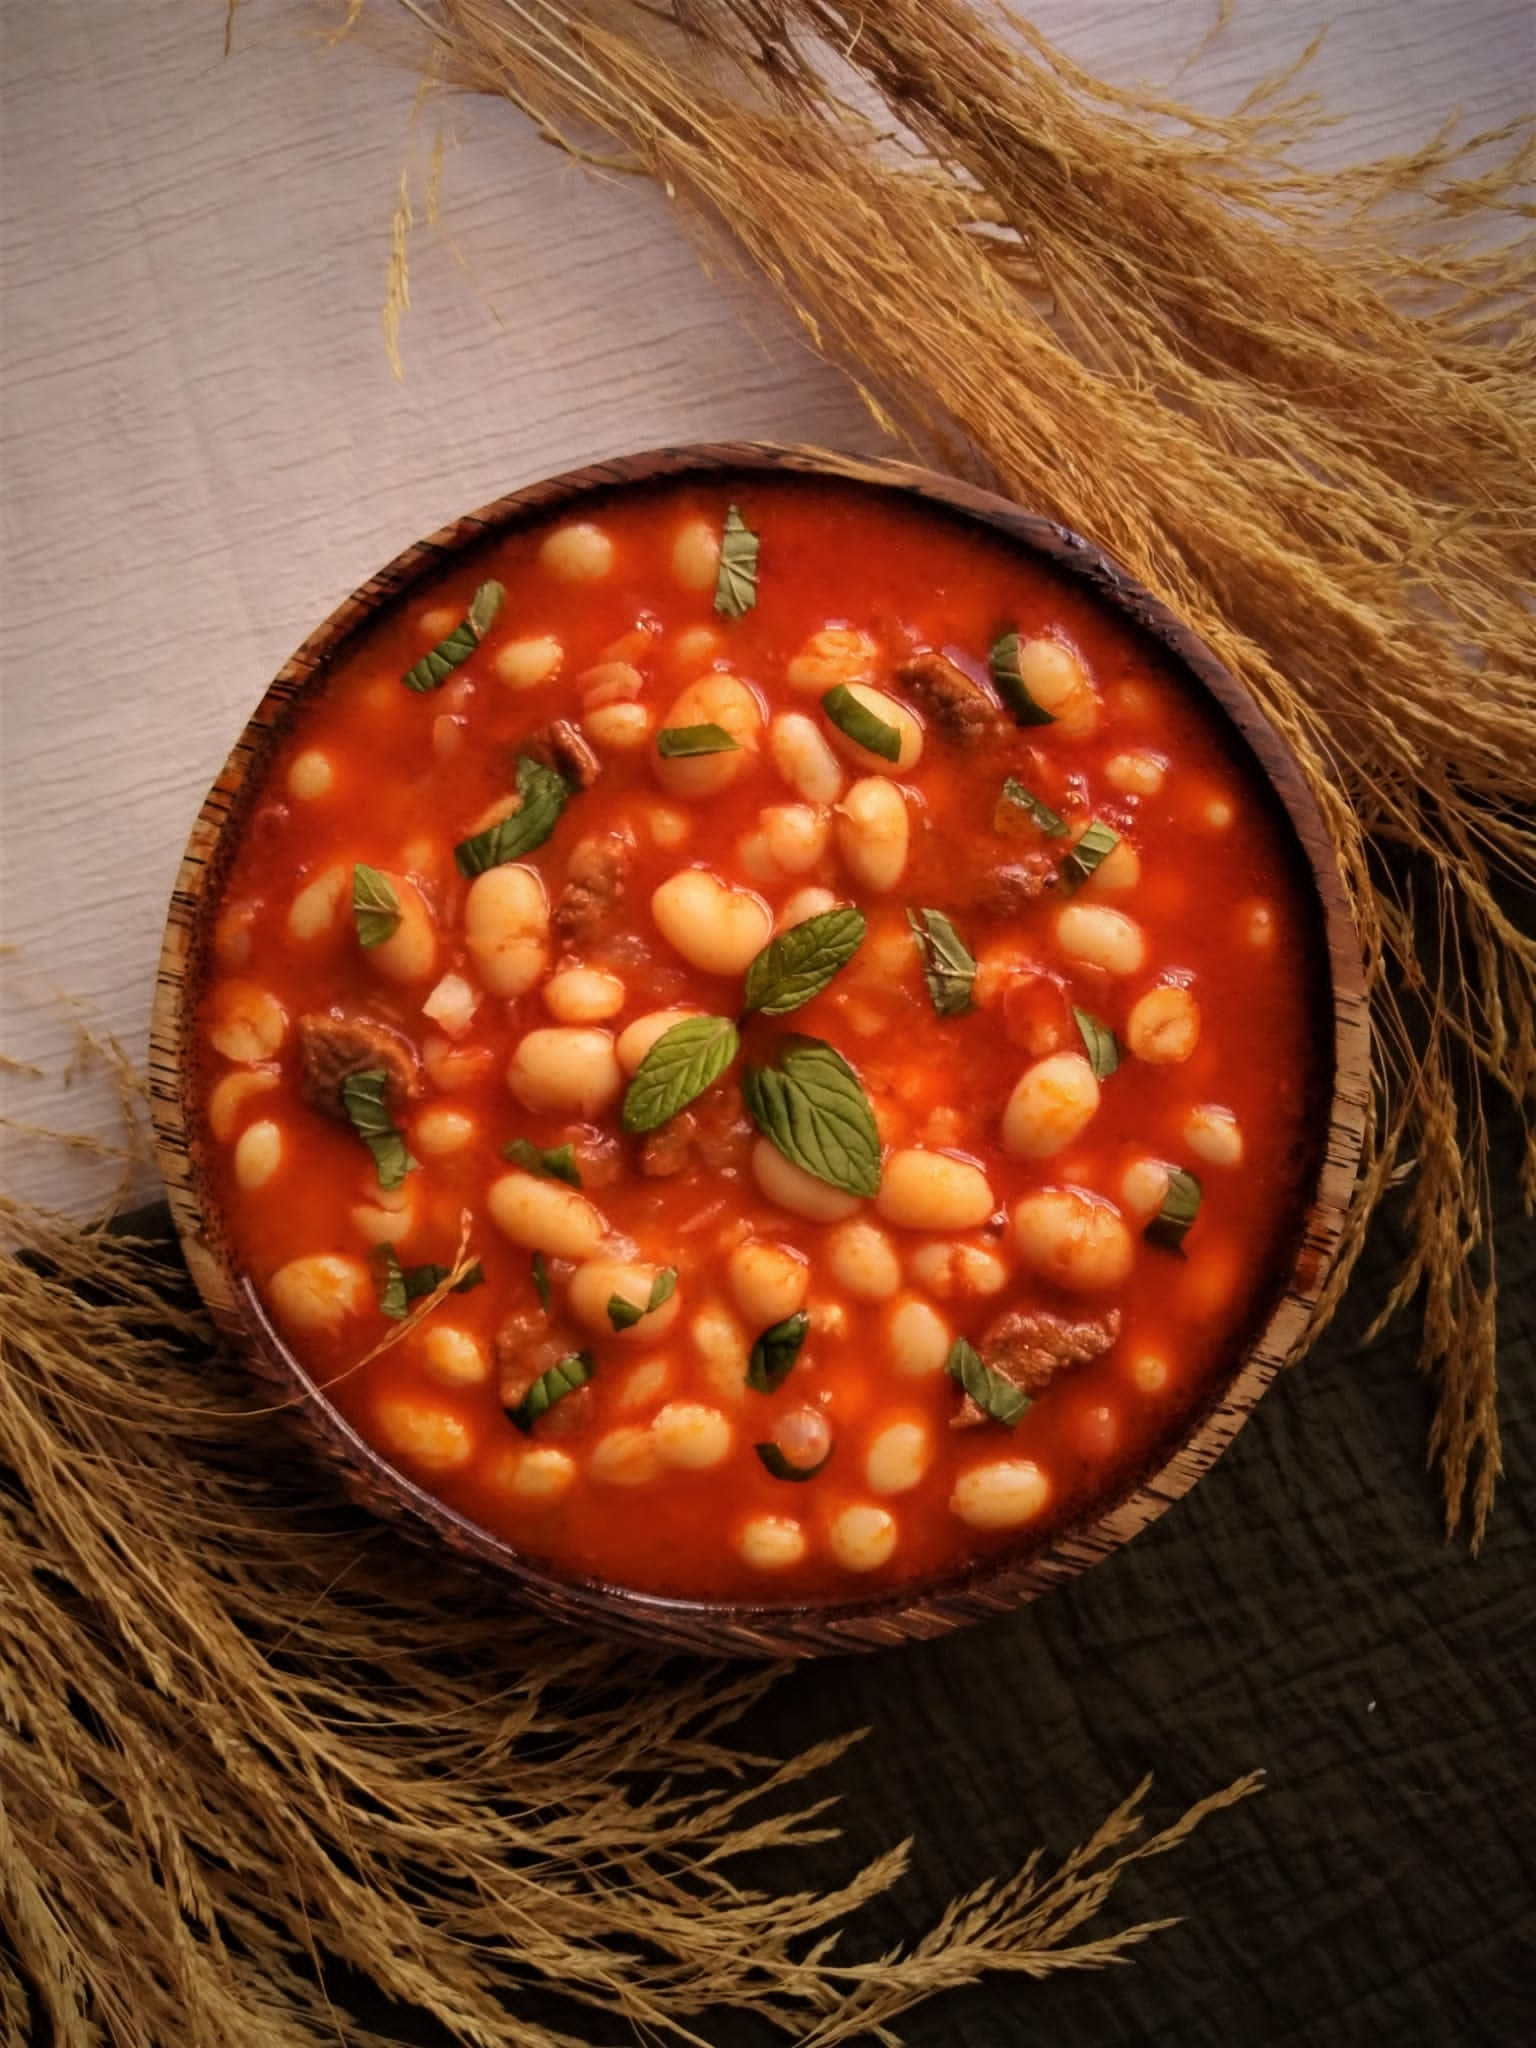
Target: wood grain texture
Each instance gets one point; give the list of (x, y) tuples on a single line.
[(202, 446), (769, 1628)]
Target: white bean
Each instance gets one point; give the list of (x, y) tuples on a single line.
[(248, 1024), (1213, 1133), (898, 1457), (609, 682), (578, 553), (1004, 1495), (543, 1473), (229, 1093), (873, 832), (441, 1131), (667, 825), (792, 1188), (1135, 774), (796, 835), (837, 654), (1143, 1186), (722, 700), (410, 952), (595, 1284), (643, 1385), (863, 1261), (452, 1005), (930, 1191), (724, 1347), (956, 1272), (803, 904), (716, 928), (1056, 678), (862, 1537), (312, 912), (626, 1456), (1163, 1027), (696, 555), (1052, 1101), (1073, 1238), (432, 1437), (636, 1039), (545, 1216), (258, 1154), (311, 776), (768, 1281), (389, 1218), (770, 1543), (919, 1339), (319, 1290), (696, 647), (454, 1356), (621, 728), (1117, 873), (232, 934), (506, 928), (804, 758), (1103, 937), (568, 1069), (583, 995), (890, 711), (692, 1436), (524, 664), (452, 1067)]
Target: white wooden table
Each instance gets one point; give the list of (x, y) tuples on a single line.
[(202, 446)]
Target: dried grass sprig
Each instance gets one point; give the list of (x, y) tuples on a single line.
[(246, 1735), (1300, 405)]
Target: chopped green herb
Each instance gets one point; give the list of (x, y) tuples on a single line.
[(375, 905), (994, 1394), (541, 1282), (812, 1108), (736, 579), (683, 1062), (434, 669), (573, 1371), (799, 963), (775, 1352), (1008, 674), (682, 742), (543, 794), (1181, 1205), (363, 1098), (1050, 824), (780, 1466), (558, 1163), (1101, 1044), (401, 1285), (864, 727), (948, 967), (1096, 844), (624, 1314)]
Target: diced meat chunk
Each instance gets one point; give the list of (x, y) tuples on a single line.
[(960, 708), (594, 886), (333, 1047), (1007, 889), (1030, 1346), (714, 1136), (527, 1345), (563, 746)]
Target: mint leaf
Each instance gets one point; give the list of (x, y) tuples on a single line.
[(558, 1163), (543, 794), (1003, 662), (571, 1372), (434, 669), (1181, 1205), (375, 905), (799, 963), (1053, 826), (736, 578), (401, 1285), (681, 742), (624, 1314), (363, 1098), (780, 1466), (1102, 1046), (992, 1392), (864, 727), (948, 967), (775, 1352), (812, 1108), (680, 1065), (1096, 843)]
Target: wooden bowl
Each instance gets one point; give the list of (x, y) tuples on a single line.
[(767, 1628)]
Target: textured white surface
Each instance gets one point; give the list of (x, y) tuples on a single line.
[(202, 447)]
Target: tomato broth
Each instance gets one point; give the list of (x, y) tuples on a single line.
[(947, 1251)]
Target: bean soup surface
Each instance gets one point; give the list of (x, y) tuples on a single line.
[(993, 1153)]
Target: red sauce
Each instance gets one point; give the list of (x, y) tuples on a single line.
[(1207, 874)]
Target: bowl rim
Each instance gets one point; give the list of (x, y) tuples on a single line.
[(768, 1628)]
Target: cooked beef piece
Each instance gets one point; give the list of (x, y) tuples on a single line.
[(712, 1135), (1030, 1346), (961, 709), (528, 1344), (331, 1047), (564, 747), (1007, 889), (594, 886)]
